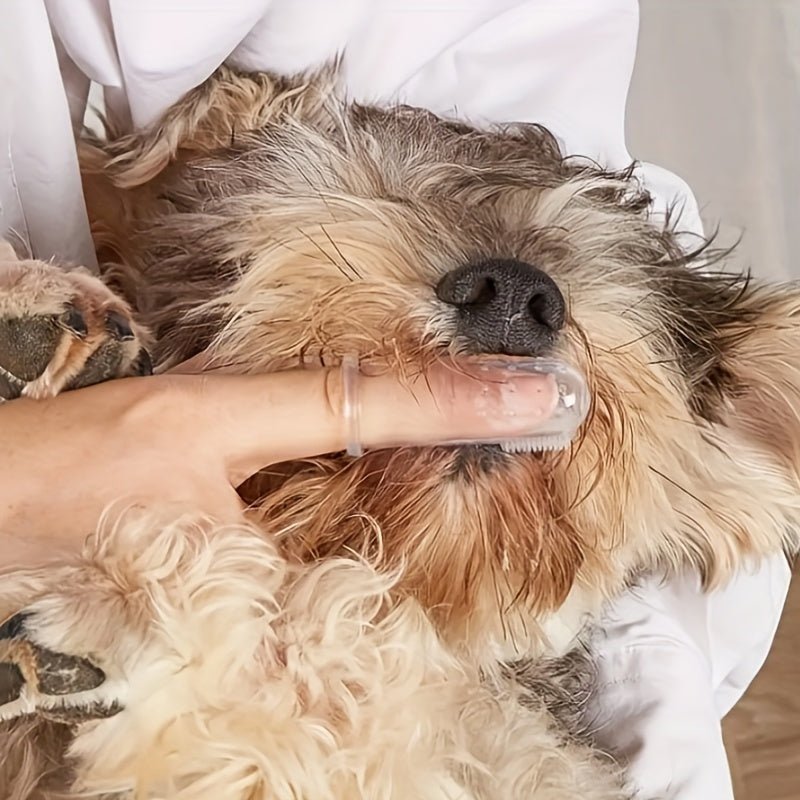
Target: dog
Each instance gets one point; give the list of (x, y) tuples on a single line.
[(412, 623)]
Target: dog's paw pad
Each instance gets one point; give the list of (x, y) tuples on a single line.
[(11, 683), (74, 321), (63, 330), (60, 674), (36, 679)]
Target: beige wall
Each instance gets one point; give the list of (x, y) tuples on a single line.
[(716, 98)]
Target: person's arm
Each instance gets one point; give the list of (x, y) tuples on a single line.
[(66, 459)]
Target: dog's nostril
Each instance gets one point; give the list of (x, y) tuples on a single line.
[(505, 306), (484, 291), (539, 309)]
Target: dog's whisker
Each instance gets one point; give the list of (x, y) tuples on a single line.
[(339, 252)]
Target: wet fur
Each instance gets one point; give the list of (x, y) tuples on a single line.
[(277, 225)]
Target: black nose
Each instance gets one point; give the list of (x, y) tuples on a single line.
[(505, 306)]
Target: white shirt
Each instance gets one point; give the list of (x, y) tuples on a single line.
[(673, 660)]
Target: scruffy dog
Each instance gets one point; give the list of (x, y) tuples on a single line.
[(406, 624)]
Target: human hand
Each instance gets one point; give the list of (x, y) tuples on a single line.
[(192, 439)]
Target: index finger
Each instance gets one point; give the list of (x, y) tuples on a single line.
[(260, 420)]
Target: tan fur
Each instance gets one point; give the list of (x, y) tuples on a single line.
[(327, 687), (347, 641), (33, 759)]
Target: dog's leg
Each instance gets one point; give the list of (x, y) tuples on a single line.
[(33, 746), (535, 736), (532, 757), (58, 330), (62, 330), (31, 675)]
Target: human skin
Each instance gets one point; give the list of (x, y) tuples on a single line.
[(192, 438)]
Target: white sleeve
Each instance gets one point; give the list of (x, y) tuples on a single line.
[(41, 202), (673, 659), (673, 662)]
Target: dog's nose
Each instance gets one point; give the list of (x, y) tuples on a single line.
[(505, 306)]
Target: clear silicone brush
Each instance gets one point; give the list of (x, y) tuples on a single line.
[(557, 430), (554, 431)]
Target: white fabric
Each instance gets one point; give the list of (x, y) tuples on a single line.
[(40, 190), (673, 660)]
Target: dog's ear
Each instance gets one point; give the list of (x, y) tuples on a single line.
[(7, 252), (759, 347), (738, 345)]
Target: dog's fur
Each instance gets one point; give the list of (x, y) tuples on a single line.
[(370, 629)]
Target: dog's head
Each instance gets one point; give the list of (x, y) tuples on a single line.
[(402, 237)]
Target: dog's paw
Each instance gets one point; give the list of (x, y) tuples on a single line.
[(62, 330), (37, 680)]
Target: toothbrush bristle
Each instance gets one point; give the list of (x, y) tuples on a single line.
[(535, 444)]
